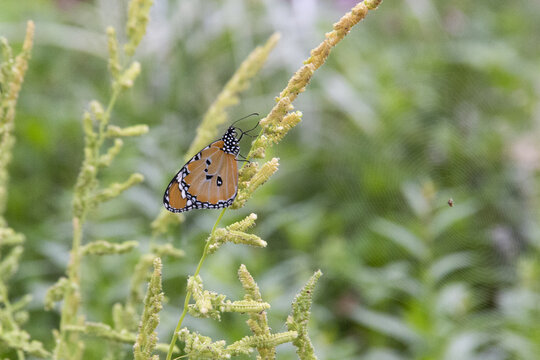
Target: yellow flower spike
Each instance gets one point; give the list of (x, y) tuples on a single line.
[(208, 304), (88, 126), (240, 81), (97, 110), (245, 306), (19, 70), (195, 286), (292, 119), (147, 336), (268, 123), (164, 221), (198, 346), (8, 237), (276, 133), (299, 318), (139, 277), (135, 130), (248, 283), (235, 233), (114, 59), (12, 72), (244, 224), (249, 186), (259, 153), (102, 247), (85, 180), (258, 322), (138, 16), (116, 189), (128, 77), (341, 28), (167, 250), (106, 332), (261, 341), (247, 172), (267, 170), (10, 262), (106, 159), (124, 317), (279, 110), (298, 82), (6, 65), (239, 237), (55, 293)]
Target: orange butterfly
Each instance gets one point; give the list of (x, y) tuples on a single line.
[(209, 180)]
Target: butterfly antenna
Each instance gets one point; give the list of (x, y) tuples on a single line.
[(247, 132), (250, 130), (243, 159), (245, 117)]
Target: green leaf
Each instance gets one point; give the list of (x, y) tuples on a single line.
[(447, 217), (402, 237), (389, 325)]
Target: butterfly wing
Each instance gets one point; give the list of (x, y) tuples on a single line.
[(173, 199), (208, 181)]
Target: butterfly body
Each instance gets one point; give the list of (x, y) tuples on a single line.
[(209, 180)]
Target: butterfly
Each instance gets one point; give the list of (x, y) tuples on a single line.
[(209, 180)]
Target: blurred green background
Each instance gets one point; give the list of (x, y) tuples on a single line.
[(423, 102)]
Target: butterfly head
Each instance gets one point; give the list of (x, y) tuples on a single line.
[(231, 142)]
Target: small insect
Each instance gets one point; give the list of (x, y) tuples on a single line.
[(451, 202), (209, 180)]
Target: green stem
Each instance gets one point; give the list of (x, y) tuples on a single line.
[(10, 321), (106, 116), (71, 295), (188, 294), (7, 305)]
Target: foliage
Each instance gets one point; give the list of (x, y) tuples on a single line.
[(12, 315), (424, 102)]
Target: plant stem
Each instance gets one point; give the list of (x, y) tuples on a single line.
[(68, 341), (106, 117), (71, 295), (188, 294)]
